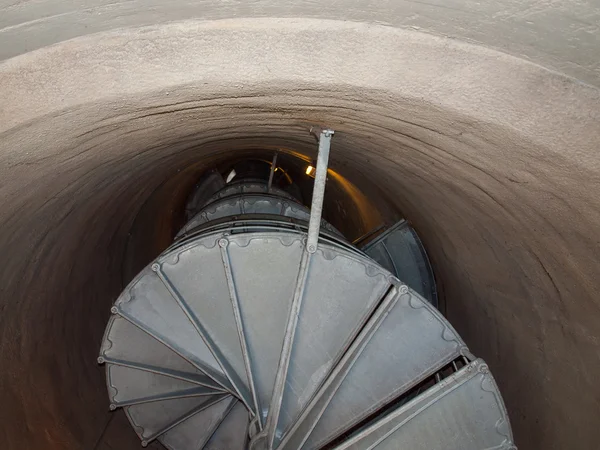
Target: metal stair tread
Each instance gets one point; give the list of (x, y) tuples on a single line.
[(232, 433), (129, 386), (412, 343), (128, 345), (341, 291), (462, 412), (195, 431), (148, 304), (152, 419)]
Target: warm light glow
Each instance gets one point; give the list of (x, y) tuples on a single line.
[(231, 176), (310, 170)]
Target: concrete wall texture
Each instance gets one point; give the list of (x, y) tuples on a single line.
[(480, 121)]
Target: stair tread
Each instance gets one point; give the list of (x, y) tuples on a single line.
[(302, 428), (341, 291), (211, 308), (462, 412), (148, 304), (247, 204), (232, 433), (130, 386), (251, 203), (194, 432), (128, 345), (150, 420), (265, 302), (412, 343)]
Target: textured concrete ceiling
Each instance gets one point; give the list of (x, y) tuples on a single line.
[(562, 35)]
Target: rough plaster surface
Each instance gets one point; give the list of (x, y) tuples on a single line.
[(559, 34), (494, 159)]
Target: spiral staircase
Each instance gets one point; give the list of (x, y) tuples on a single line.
[(261, 328)]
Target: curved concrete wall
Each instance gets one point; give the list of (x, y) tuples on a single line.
[(493, 158)]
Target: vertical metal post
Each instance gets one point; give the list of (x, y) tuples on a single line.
[(266, 439), (273, 166), (316, 207)]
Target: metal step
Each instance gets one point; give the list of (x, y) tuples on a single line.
[(151, 420), (232, 433), (339, 293), (264, 296), (128, 386), (462, 412), (195, 432), (412, 342), (211, 310), (148, 304), (249, 187), (144, 352), (243, 204)]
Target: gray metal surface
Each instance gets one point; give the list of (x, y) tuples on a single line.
[(148, 304), (239, 205), (232, 433), (210, 310), (266, 438), (400, 251), (249, 187), (194, 432), (233, 295), (150, 420), (128, 386), (316, 205), (301, 429), (340, 292), (412, 343), (127, 345), (265, 295), (463, 412), (264, 222)]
